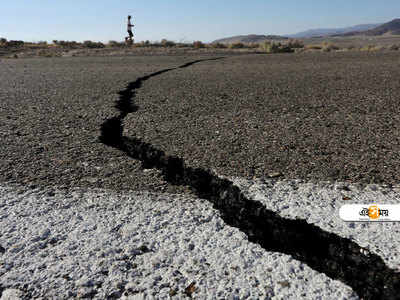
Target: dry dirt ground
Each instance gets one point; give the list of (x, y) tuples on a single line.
[(316, 117), (355, 41), (48, 51)]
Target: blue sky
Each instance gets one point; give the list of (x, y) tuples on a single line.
[(182, 20)]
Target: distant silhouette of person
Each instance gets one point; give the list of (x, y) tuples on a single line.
[(129, 29)]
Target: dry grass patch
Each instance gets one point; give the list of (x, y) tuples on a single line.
[(198, 45), (372, 48), (217, 46), (236, 45), (271, 47)]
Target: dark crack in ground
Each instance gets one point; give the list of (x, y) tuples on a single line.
[(337, 257)]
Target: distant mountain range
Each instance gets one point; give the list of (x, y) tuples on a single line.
[(333, 31), (251, 38), (389, 28)]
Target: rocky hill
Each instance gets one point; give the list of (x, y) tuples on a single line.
[(332, 31), (389, 28), (251, 38)]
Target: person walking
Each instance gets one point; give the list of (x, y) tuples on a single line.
[(129, 29)]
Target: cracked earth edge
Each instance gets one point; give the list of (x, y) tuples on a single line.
[(339, 258)]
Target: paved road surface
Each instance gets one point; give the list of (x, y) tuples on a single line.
[(177, 124)]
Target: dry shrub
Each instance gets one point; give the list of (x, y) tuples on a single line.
[(93, 45), (155, 44), (146, 43), (198, 44), (253, 45), (139, 45), (183, 45), (271, 47), (394, 47), (371, 48), (237, 45), (295, 44), (115, 44), (328, 47), (167, 43), (67, 44), (218, 46), (12, 44), (313, 47)]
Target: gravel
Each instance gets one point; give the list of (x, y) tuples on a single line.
[(316, 117), (320, 204), (101, 243)]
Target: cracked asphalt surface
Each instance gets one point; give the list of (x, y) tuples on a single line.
[(320, 116)]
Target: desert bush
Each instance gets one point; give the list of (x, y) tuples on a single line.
[(92, 45), (295, 44), (328, 47), (167, 43), (252, 45), (67, 44), (146, 43), (218, 46), (115, 44), (137, 45), (183, 45), (285, 49), (14, 43), (313, 47), (198, 44), (371, 48), (271, 47), (237, 45), (156, 44), (394, 47), (268, 47)]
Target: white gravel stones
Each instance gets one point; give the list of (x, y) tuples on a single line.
[(11, 294), (320, 204), (97, 243)]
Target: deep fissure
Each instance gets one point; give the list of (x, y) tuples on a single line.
[(339, 258)]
